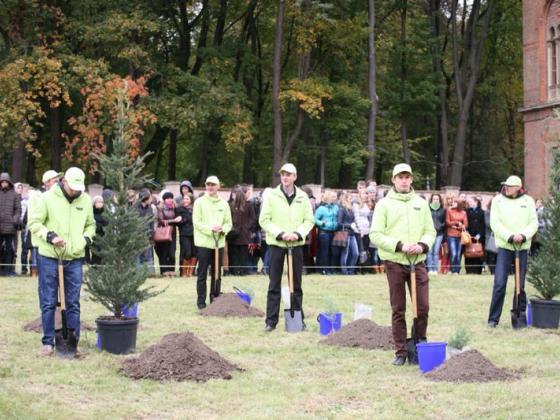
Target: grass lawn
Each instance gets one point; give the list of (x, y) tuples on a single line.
[(286, 375)]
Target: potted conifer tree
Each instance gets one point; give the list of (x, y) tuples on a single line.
[(120, 280), (544, 268)]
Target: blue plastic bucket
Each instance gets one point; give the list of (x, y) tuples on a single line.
[(98, 343), (244, 297), (430, 355), (130, 311), (328, 324), (529, 314)]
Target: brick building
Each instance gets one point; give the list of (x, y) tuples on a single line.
[(541, 80)]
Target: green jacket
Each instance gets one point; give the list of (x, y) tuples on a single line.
[(73, 222), (209, 212), (404, 218), (510, 216), (277, 216)]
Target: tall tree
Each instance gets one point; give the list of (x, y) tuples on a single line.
[(372, 91)]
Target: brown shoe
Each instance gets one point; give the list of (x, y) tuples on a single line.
[(46, 351)]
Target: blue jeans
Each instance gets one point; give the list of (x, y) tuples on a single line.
[(432, 261), (48, 294), (454, 253), (324, 264), (147, 257), (503, 265), (349, 256)]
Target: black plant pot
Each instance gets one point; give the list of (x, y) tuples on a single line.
[(545, 313), (117, 336)]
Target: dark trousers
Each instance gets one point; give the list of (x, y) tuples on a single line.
[(166, 255), (205, 261), (277, 258), (398, 276), (24, 251), (503, 264), (7, 253), (238, 259)]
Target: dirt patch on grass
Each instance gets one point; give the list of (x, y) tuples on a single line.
[(230, 305), (37, 325), (179, 357), (470, 366), (362, 333)]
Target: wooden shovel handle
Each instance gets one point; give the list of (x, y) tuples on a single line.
[(216, 263), (290, 272), (517, 279), (413, 294), (61, 287)]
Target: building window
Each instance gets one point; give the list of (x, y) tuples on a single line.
[(553, 63)]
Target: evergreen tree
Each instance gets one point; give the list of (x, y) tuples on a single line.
[(119, 280), (544, 267)]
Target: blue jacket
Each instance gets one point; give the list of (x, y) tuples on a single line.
[(326, 217)]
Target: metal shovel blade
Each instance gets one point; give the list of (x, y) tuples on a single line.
[(293, 320), (518, 319), (65, 348)]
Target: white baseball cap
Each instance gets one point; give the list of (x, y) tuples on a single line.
[(212, 179), (75, 178), (513, 181), (402, 167), (288, 167), (50, 174)]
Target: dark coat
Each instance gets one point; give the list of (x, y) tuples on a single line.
[(100, 221), (477, 226), (438, 217), (10, 210), (345, 219), (147, 213), (166, 215), (244, 225), (186, 224)]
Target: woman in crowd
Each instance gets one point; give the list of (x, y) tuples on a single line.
[(438, 217), (535, 244), (187, 253), (326, 220), (490, 249), (310, 248), (347, 224), (444, 256), (244, 224), (456, 221), (363, 213), (166, 250), (98, 209), (477, 230)]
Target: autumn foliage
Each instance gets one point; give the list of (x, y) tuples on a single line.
[(94, 127)]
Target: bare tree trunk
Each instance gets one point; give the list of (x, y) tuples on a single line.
[(203, 37), (467, 74), (404, 131), (324, 139), (220, 23), (55, 119), (172, 161), (276, 70), (18, 158), (372, 91)]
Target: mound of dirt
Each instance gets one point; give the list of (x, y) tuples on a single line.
[(178, 357), (362, 333), (37, 325), (470, 366), (229, 304)]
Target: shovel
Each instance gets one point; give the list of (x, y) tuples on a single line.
[(293, 319), (216, 281), (411, 342), (65, 343), (518, 318)]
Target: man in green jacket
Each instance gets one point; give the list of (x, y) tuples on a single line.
[(211, 223), (403, 231), (286, 217), (513, 220), (62, 224)]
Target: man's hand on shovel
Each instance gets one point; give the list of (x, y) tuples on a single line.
[(412, 249)]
